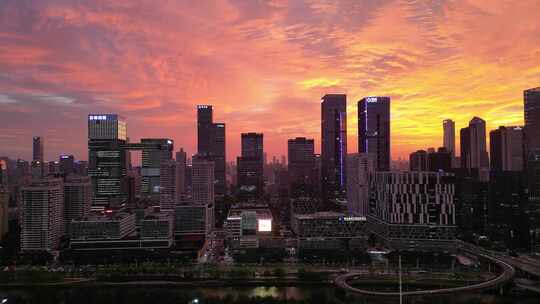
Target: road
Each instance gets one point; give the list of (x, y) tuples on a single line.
[(506, 276)]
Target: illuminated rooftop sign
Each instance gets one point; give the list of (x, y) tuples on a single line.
[(97, 117), (371, 99)]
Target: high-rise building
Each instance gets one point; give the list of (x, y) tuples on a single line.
[(107, 133), (3, 172), (449, 138), (211, 143), (532, 160), (38, 150), (181, 160), (151, 165), (413, 210), (38, 169), (474, 153), (202, 180), (374, 129), (440, 160), (418, 161), (506, 149), (301, 166), (67, 164), (333, 145), (359, 169), (4, 208), (42, 204), (171, 184), (77, 198), (250, 165)]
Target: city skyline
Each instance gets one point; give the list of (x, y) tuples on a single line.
[(441, 60)]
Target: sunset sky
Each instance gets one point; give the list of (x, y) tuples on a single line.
[(264, 65)]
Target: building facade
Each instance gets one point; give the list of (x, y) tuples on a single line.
[(107, 133), (77, 198), (474, 153), (211, 142), (303, 179), (418, 161), (449, 138), (333, 145), (414, 209), (374, 130), (532, 161), (42, 224), (152, 159), (506, 149), (359, 169), (250, 165)]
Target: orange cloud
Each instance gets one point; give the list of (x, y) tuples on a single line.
[(263, 65)]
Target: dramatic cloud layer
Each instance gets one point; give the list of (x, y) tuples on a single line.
[(263, 65)]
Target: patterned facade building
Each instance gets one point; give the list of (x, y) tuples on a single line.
[(413, 209)]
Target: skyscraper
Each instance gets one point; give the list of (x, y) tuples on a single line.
[(301, 166), (37, 151), (77, 198), (67, 164), (449, 138), (3, 172), (473, 145), (181, 160), (250, 165), (374, 129), (42, 205), (359, 169), (532, 160), (107, 134), (202, 171), (171, 184), (151, 165), (440, 160), (418, 161), (334, 145), (211, 143), (506, 149), (4, 208)]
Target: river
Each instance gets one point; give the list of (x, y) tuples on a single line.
[(228, 295)]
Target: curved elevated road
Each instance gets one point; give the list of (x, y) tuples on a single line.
[(507, 275)]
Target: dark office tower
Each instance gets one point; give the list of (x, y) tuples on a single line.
[(250, 166), (3, 173), (301, 166), (374, 129), (152, 158), (219, 158), (473, 145), (252, 145), (418, 161), (449, 138), (181, 162), (37, 151), (465, 146), (532, 160), (334, 145), (204, 129), (440, 160), (211, 143), (107, 135), (67, 164), (506, 149)]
